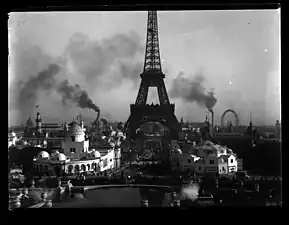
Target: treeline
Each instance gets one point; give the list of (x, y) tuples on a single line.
[(263, 159), (24, 157)]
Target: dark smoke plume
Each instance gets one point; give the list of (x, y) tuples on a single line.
[(28, 91), (75, 94), (45, 80), (94, 59), (192, 90)]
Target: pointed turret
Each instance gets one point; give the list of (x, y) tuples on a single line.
[(182, 122), (250, 127), (38, 121), (29, 123)]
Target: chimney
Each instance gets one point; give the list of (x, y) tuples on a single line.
[(212, 111)]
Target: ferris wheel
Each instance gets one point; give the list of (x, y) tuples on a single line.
[(226, 118)]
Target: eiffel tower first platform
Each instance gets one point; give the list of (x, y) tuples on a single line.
[(152, 76)]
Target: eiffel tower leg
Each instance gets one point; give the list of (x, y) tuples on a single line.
[(162, 92), (142, 93)]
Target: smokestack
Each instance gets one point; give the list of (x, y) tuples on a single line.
[(212, 112), (75, 94)]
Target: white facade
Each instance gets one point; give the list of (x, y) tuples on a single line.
[(206, 158), (75, 150), (77, 157), (232, 164), (12, 139)]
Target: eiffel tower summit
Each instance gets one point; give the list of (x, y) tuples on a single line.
[(152, 76)]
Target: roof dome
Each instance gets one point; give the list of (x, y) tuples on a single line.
[(95, 154), (54, 153), (177, 151), (75, 129), (208, 143), (43, 155), (59, 157), (29, 123)]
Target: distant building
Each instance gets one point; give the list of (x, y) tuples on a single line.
[(205, 157), (77, 155), (41, 133)]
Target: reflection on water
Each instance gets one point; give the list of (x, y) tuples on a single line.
[(114, 197)]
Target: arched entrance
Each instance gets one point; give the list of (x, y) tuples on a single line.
[(93, 166), (83, 168), (57, 170), (70, 168), (76, 168), (96, 167)]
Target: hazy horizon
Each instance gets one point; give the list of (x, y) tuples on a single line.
[(53, 56)]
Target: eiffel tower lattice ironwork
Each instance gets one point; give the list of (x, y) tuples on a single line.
[(152, 76)]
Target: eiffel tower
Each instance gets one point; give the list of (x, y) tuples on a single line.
[(152, 76)]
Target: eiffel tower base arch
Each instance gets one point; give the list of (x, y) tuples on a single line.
[(141, 114)]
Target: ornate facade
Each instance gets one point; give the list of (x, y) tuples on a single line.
[(76, 156)]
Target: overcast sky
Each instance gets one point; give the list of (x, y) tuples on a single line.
[(238, 53)]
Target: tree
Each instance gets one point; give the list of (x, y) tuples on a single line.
[(26, 157), (14, 156)]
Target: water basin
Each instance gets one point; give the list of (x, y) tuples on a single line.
[(116, 196)]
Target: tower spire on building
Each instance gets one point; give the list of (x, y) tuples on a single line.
[(250, 123), (206, 119), (38, 121)]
